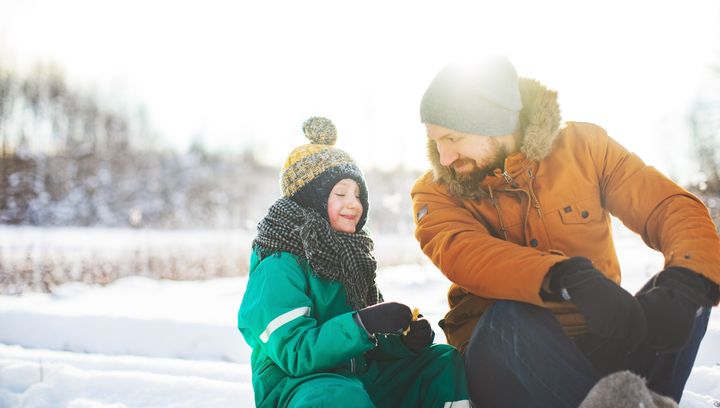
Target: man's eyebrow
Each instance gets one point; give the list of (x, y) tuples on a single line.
[(445, 136)]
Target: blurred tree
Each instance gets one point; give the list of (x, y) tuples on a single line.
[(705, 132), (6, 86), (390, 204), (70, 160), (57, 93), (705, 122)]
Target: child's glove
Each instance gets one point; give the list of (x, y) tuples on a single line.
[(671, 301), (388, 317), (419, 336)]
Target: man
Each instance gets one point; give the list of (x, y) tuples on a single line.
[(516, 213)]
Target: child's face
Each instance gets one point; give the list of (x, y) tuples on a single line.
[(344, 207)]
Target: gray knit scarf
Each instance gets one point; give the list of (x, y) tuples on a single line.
[(333, 255)]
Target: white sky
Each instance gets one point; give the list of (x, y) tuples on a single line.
[(247, 73)]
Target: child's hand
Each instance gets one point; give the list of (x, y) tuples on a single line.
[(419, 336), (388, 317), (416, 314)]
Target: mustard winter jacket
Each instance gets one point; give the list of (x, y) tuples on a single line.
[(498, 239)]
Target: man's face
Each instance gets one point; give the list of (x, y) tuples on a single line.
[(468, 156)]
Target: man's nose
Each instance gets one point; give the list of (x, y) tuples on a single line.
[(447, 154)]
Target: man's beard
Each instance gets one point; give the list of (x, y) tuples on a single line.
[(478, 174)]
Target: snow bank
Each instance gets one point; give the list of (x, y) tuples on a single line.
[(140, 342)]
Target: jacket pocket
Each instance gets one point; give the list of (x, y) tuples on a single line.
[(581, 212)]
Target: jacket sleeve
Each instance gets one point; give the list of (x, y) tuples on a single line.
[(279, 313), (669, 218), (464, 250)]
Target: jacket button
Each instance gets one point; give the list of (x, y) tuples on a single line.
[(584, 214), (533, 242)]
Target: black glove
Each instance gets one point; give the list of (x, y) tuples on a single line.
[(388, 317), (609, 310), (671, 300), (419, 336)]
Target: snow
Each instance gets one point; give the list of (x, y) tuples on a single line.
[(141, 342)]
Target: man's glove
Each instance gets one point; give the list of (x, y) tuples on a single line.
[(671, 300), (419, 336), (609, 310), (388, 317)]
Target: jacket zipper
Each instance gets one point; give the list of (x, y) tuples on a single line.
[(533, 197), (508, 178)]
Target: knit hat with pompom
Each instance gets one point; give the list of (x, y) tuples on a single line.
[(312, 170)]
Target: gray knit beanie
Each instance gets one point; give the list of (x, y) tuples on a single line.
[(481, 98)]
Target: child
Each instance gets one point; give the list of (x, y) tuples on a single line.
[(310, 310)]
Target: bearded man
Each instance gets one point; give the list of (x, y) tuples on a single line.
[(516, 213)]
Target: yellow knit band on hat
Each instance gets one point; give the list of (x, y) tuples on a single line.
[(307, 162)]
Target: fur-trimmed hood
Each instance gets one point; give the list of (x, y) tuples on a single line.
[(539, 125)]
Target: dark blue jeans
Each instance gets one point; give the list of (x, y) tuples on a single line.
[(519, 356)]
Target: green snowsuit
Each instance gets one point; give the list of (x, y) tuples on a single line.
[(309, 352)]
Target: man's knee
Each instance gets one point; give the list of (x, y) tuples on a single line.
[(508, 314), (503, 323), (510, 310)]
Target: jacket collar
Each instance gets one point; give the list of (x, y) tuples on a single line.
[(539, 124)]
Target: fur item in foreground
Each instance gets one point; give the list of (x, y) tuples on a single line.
[(625, 389)]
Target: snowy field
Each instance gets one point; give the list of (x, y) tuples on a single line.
[(140, 342), (40, 259)]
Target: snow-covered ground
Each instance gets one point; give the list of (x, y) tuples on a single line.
[(140, 342), (41, 258)]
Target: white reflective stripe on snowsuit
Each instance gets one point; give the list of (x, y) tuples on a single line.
[(286, 317), (457, 404)]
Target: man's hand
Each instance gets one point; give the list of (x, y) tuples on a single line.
[(670, 301), (419, 336), (609, 310), (388, 317)]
